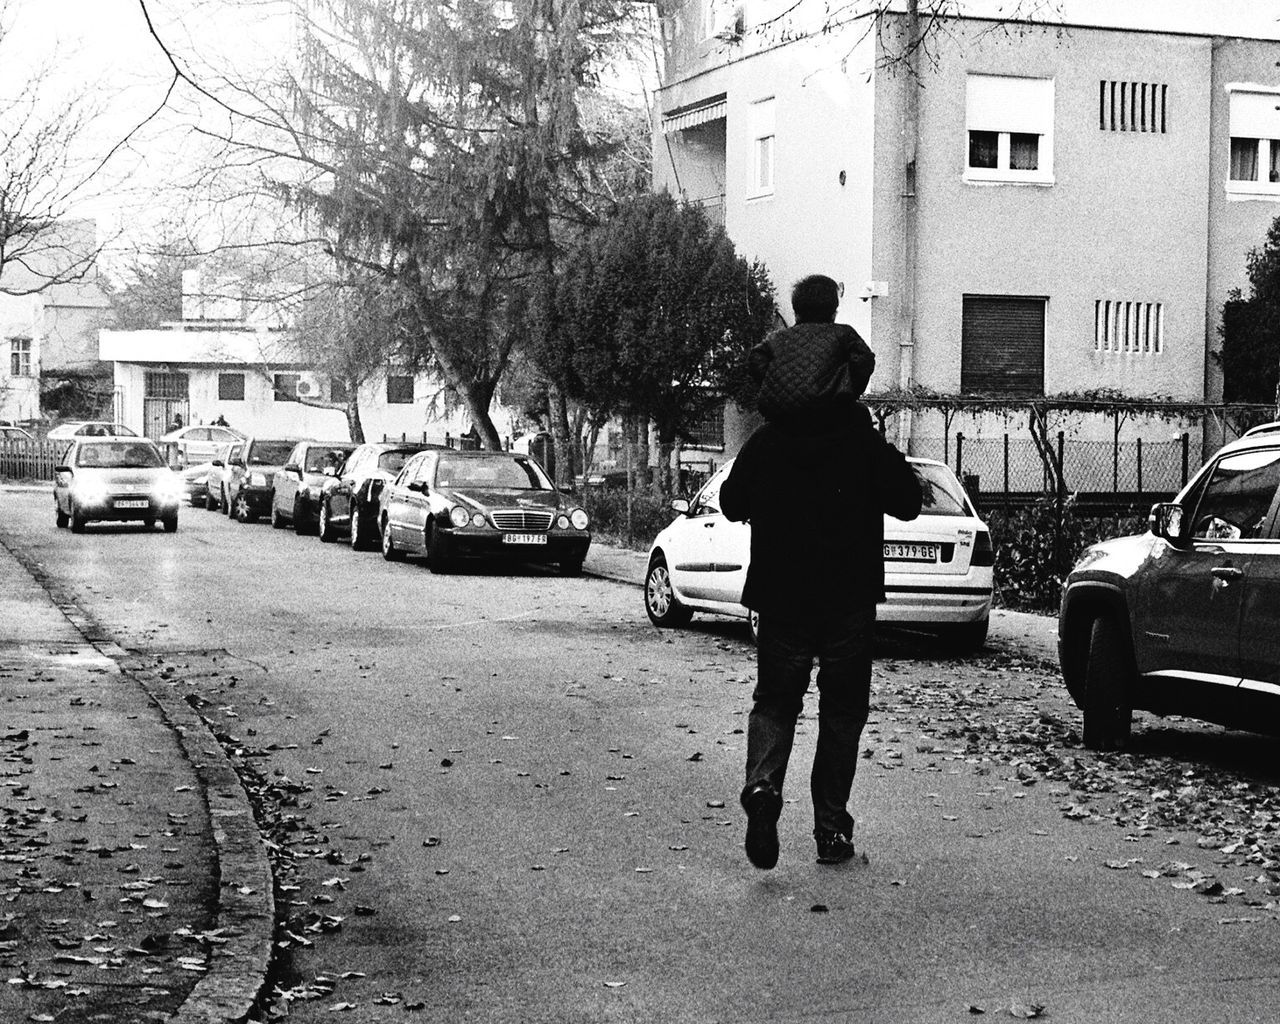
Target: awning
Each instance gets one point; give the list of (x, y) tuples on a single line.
[(694, 114)]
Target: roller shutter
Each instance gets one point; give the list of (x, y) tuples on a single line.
[(1002, 345)]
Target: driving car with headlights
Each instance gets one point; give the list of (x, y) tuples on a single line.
[(938, 568), (250, 473), (1185, 618), (451, 504), (116, 479)]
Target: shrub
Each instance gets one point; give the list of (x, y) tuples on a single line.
[(1037, 546), (607, 507)]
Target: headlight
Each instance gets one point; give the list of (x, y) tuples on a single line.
[(562, 523), (90, 491), (579, 518), (477, 519), (459, 516), (257, 480)]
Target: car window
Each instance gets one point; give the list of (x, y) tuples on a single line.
[(1236, 502), (233, 451), (392, 462), (270, 453), (940, 491), (318, 457), (218, 434), (512, 473), (410, 470), (123, 455), (707, 500), (198, 434)]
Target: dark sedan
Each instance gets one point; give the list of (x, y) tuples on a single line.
[(451, 504), (349, 500)]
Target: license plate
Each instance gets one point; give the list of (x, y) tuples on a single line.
[(132, 504), (894, 552), (524, 538)]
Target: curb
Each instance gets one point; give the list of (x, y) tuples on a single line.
[(245, 914)]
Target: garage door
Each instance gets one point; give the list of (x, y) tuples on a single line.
[(1002, 345)]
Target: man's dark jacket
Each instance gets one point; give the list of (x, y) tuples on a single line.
[(816, 507)]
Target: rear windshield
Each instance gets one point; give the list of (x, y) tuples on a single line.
[(512, 473), (940, 492), (318, 458), (124, 455), (270, 453), (393, 462)]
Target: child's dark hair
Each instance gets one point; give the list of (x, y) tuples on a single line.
[(814, 299)]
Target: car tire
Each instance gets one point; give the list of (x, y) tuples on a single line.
[(1108, 682), (277, 520), (437, 560), (77, 520), (967, 637), (389, 550), (660, 602), (60, 518), (170, 523), (358, 541), (241, 510), (324, 529)]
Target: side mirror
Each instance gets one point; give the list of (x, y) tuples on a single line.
[(293, 467), (236, 460), (680, 505), (217, 462), (63, 470), (1167, 522), (417, 485)]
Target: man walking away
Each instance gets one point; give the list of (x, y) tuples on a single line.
[(816, 505)]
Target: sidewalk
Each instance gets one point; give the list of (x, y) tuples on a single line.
[(123, 900), (1017, 633)]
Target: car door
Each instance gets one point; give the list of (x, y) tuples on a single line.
[(417, 504), (1190, 605), (340, 493), (287, 479), (395, 503), (691, 561), (1260, 620)]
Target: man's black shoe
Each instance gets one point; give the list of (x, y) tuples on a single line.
[(763, 804), (833, 848)]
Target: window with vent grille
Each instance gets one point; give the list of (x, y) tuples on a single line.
[(1126, 326), (1133, 107)]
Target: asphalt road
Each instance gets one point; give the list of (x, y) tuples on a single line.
[(503, 796)]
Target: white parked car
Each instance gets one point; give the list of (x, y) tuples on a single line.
[(938, 568), (196, 444)]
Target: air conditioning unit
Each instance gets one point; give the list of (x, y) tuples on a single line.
[(308, 386), (728, 23)]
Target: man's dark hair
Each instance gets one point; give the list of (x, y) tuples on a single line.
[(814, 299)]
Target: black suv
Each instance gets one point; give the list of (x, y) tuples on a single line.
[(1184, 619)]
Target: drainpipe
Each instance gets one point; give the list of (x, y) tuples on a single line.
[(910, 233)]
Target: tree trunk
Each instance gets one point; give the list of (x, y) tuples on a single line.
[(640, 459), (666, 449), (354, 427), (476, 399), (558, 414)]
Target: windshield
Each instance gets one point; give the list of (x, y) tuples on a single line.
[(393, 462), (512, 473), (941, 494), (124, 455), (270, 453), (318, 458)]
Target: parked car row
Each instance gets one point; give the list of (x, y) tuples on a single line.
[(431, 500)]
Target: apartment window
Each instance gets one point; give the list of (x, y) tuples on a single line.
[(338, 390), (231, 387), (1010, 129), (284, 387), (762, 119), (399, 390), (1127, 326), (1002, 345), (1133, 107), (20, 357), (1254, 159)]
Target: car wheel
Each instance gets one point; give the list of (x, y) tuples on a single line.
[(1108, 681), (967, 637), (275, 518), (60, 517), (170, 523), (437, 560), (324, 528), (241, 510), (358, 542), (660, 601), (389, 550), (77, 520)]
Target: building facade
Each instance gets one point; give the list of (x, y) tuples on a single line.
[(1041, 210)]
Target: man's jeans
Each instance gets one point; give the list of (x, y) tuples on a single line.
[(786, 648)]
